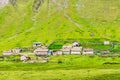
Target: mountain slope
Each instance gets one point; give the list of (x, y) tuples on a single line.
[(72, 19)]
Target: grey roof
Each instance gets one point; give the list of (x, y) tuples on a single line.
[(37, 43)]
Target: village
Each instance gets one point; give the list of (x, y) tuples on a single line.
[(41, 52)]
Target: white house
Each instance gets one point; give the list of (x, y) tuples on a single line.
[(76, 50), (8, 53), (106, 42), (17, 50), (42, 51)]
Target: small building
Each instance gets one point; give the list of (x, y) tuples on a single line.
[(76, 50), (59, 52), (106, 42), (8, 53), (66, 49), (88, 51), (17, 50), (24, 57), (104, 51), (37, 44), (42, 51)]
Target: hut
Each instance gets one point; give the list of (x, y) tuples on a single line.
[(106, 42), (66, 49), (59, 52), (42, 51), (17, 50), (24, 57), (8, 53), (104, 51), (37, 44), (88, 51), (76, 50)]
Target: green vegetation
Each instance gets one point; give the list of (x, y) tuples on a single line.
[(95, 43), (72, 67), (87, 74), (116, 48), (20, 26), (85, 21)]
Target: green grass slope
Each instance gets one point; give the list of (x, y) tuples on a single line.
[(80, 19)]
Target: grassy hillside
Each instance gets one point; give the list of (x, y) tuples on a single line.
[(79, 19)]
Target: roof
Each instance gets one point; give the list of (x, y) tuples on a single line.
[(37, 43), (41, 49), (67, 47), (87, 49), (7, 53), (105, 51), (76, 49), (65, 50)]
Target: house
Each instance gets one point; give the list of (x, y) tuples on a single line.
[(17, 50), (66, 49), (8, 53), (76, 50), (42, 51), (106, 42), (12, 52), (88, 51), (104, 51), (37, 44), (24, 57), (59, 52)]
